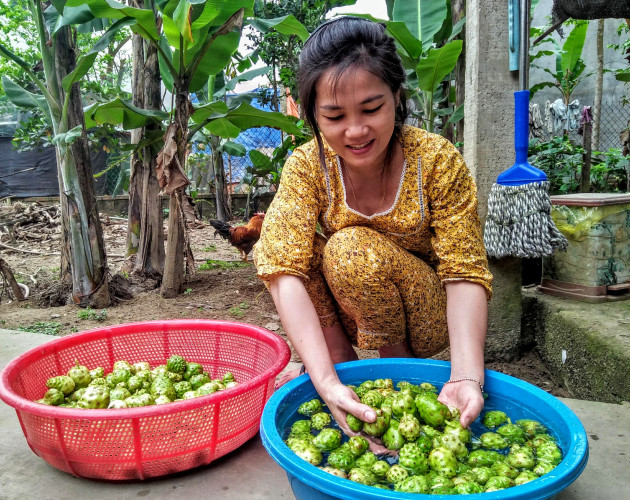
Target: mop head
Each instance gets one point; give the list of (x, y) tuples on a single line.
[(519, 222)]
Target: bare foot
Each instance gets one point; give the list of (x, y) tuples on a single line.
[(287, 376)]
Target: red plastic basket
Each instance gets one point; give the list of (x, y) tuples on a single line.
[(140, 443)]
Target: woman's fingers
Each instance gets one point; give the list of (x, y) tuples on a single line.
[(466, 397)]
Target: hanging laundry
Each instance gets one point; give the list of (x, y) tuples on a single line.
[(548, 119), (573, 115), (587, 117), (535, 122), (565, 117)]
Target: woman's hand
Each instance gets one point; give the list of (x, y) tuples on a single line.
[(466, 396), (342, 400)]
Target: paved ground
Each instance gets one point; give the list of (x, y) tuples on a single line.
[(250, 473)]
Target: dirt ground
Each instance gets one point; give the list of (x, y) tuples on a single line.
[(229, 290)]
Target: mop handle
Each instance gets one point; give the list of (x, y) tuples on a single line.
[(521, 125)]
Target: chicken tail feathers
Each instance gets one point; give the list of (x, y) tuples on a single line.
[(222, 228)]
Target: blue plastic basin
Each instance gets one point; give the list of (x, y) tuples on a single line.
[(519, 399)]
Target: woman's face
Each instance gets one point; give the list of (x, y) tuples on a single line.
[(356, 117)]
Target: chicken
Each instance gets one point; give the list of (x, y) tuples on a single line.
[(241, 237)]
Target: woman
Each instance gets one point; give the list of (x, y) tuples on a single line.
[(401, 266)]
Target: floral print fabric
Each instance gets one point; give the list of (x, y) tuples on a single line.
[(432, 220)]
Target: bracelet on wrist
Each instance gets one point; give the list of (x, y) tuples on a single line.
[(462, 379)]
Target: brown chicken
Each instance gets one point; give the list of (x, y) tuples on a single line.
[(241, 237)]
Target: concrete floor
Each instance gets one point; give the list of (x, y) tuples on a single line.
[(249, 472)]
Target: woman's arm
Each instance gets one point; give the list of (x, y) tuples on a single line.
[(300, 322), (467, 317)]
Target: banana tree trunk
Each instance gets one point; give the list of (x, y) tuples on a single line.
[(178, 253), (224, 211), (134, 209), (84, 242), (145, 232), (151, 256)]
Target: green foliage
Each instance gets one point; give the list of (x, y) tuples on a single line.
[(16, 25), (622, 74), (610, 171), (43, 327), (240, 310), (91, 314), (429, 51), (210, 248), (33, 133), (569, 65), (562, 160), (280, 49), (223, 265), (102, 78)]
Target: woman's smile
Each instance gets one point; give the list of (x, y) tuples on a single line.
[(356, 114), (361, 147)]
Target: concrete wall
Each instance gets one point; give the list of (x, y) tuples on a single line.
[(586, 347), (489, 149)]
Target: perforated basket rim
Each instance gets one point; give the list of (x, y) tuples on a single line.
[(11, 398)]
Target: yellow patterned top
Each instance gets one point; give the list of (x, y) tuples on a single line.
[(433, 216)]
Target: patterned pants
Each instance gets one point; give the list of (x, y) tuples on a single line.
[(381, 293)]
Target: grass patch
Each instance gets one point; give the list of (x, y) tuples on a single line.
[(87, 314), (210, 248), (239, 310), (223, 265), (44, 327)]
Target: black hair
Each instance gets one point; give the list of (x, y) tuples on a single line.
[(349, 43)]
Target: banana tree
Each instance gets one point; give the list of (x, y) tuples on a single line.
[(425, 36), (569, 65), (83, 261), (197, 41)]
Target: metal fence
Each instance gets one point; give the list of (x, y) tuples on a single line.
[(615, 118), (262, 139)]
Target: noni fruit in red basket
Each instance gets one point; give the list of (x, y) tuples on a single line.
[(162, 386), (132, 385), (94, 397), (52, 397), (62, 383), (81, 375), (176, 364)]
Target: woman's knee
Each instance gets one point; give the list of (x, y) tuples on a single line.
[(352, 247)]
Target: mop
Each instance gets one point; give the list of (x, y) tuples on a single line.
[(519, 222)]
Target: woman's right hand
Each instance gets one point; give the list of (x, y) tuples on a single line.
[(342, 400)]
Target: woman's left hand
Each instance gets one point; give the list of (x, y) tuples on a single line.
[(465, 395)]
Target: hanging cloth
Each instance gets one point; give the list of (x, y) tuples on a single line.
[(587, 117), (535, 122), (565, 117)]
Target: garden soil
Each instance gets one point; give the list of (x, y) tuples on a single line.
[(227, 290)]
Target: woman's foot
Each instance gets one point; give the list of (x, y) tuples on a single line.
[(396, 351), (289, 375)]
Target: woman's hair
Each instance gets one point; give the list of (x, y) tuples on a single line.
[(343, 44)]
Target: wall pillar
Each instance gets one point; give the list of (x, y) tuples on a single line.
[(489, 150)]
